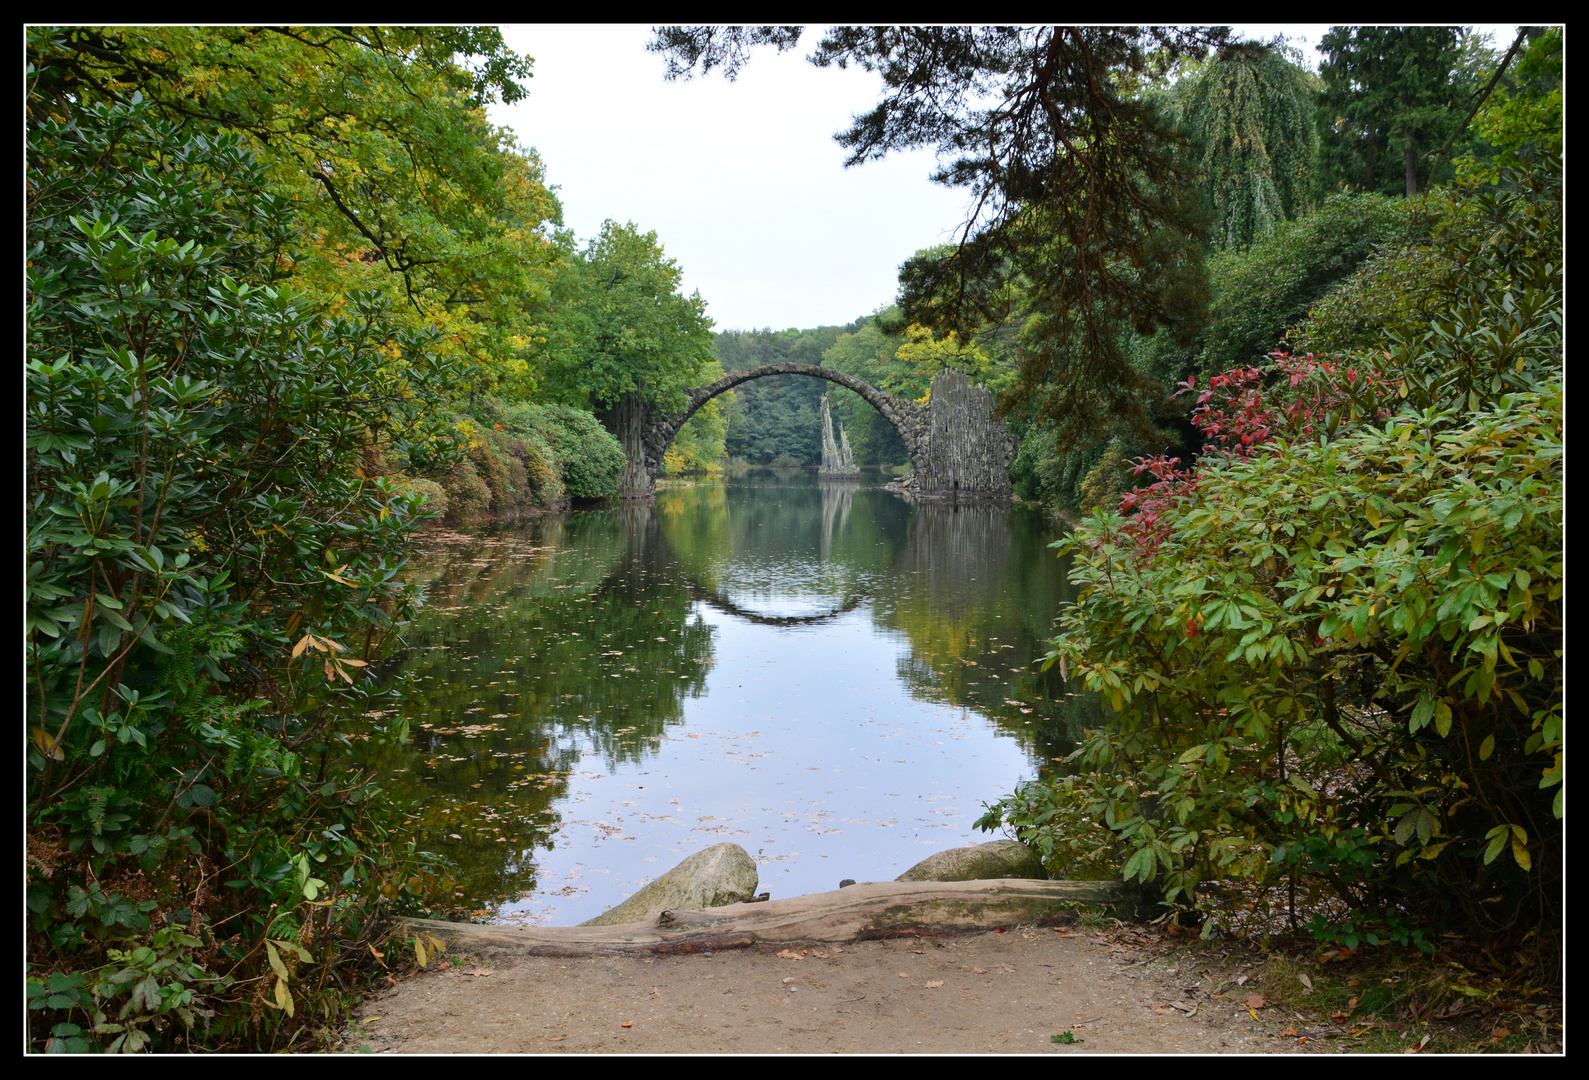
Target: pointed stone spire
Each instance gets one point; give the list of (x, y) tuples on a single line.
[(836, 458)]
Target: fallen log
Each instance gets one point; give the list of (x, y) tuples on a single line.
[(859, 912)]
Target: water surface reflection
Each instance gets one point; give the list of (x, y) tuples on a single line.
[(825, 674)]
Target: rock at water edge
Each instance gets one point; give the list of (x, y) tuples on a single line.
[(722, 874), (999, 859)]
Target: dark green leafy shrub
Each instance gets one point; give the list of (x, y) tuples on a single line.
[(1055, 820), (209, 571), (591, 459), (538, 461), (1262, 290), (468, 497), (1334, 648)]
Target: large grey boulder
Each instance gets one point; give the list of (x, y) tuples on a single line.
[(999, 859), (719, 875)]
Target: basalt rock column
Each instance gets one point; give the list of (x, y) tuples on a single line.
[(836, 460), (967, 453), (630, 420)]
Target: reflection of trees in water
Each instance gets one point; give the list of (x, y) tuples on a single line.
[(788, 542), (548, 638), (525, 655), (973, 589), (978, 593)]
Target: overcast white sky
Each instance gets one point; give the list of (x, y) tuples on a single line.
[(741, 181)]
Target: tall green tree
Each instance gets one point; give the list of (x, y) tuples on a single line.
[(1250, 108), (1391, 95), (618, 328), (1333, 649), (378, 137), (1522, 120), (1083, 195)]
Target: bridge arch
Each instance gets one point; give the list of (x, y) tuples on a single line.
[(721, 603), (957, 450), (904, 415)]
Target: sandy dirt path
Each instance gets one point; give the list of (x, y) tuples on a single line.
[(1002, 993)]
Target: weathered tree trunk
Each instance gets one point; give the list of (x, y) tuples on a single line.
[(874, 910)]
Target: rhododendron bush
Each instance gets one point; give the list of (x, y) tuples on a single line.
[(1333, 643)]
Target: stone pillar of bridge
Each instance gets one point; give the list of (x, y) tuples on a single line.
[(630, 420), (966, 454)]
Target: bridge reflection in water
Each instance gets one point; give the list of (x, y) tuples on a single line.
[(831, 676)]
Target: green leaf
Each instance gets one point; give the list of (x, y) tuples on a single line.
[(1426, 825), (275, 961), (1421, 713), (1520, 853), (1442, 718)]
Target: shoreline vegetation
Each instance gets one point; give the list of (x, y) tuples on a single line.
[(291, 296)]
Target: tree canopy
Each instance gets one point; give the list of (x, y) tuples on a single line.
[(377, 135), (1390, 96), (1084, 203), (1251, 107), (618, 326)]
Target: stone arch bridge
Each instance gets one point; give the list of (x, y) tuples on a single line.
[(958, 450)]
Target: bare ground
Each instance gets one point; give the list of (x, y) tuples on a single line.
[(988, 992)]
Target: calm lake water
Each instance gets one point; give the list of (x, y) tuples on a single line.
[(830, 676)]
